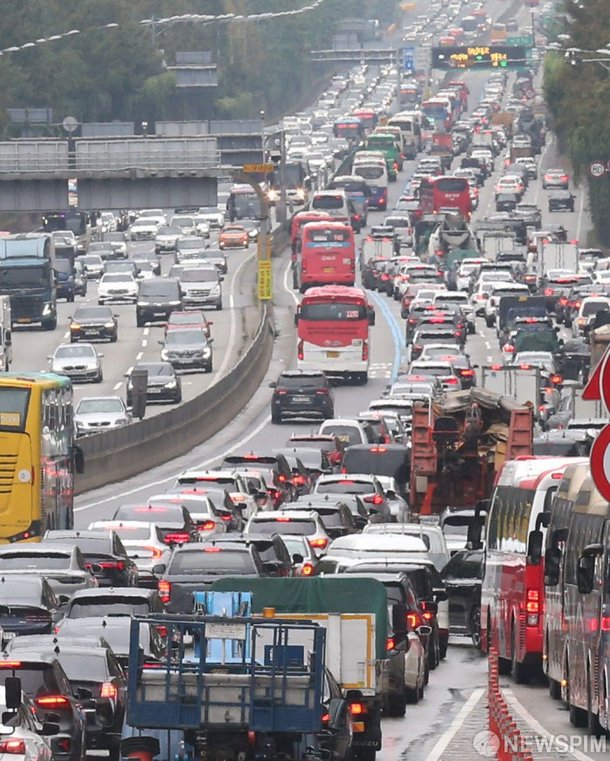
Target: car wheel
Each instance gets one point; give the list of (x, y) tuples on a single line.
[(114, 337), (114, 749), (70, 298), (396, 705), (139, 321), (209, 368), (100, 377), (411, 696), (219, 306)]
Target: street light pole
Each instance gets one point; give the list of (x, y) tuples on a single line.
[(282, 208)]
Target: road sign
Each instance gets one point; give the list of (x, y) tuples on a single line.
[(478, 56), (423, 58), (598, 385), (264, 280), (408, 59), (257, 168), (600, 462), (524, 39), (597, 169)]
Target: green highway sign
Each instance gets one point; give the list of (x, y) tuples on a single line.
[(525, 40)]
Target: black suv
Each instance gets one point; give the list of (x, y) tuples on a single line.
[(561, 200), (302, 393), (157, 299), (90, 323)]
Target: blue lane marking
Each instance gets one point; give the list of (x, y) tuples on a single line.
[(397, 335)]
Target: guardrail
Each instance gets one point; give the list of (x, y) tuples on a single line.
[(128, 451)]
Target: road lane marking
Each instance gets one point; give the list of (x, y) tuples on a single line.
[(535, 725), (489, 358), (235, 447), (117, 386), (580, 213), (397, 336), (289, 290), (487, 345), (139, 356), (146, 331), (67, 335), (144, 343), (437, 752)]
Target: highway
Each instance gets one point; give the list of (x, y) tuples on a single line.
[(456, 687)]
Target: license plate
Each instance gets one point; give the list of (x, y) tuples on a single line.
[(301, 399), (159, 314), (154, 390), (24, 320), (333, 354), (328, 270)]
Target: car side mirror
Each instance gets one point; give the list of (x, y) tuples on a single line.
[(297, 558), (273, 384), (159, 569), (390, 494), (12, 692), (100, 354), (48, 728)]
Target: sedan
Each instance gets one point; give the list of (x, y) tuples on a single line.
[(93, 323), (28, 605), (194, 318), (561, 200), (556, 178), (163, 385), (117, 287), (93, 265), (100, 413), (187, 349), (233, 236), (166, 239), (80, 363)]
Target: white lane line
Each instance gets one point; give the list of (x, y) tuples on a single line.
[(549, 143), (139, 356), (117, 386), (536, 726), (67, 334), (235, 447), (580, 214), (232, 330), (144, 343), (146, 331), (482, 333), (487, 345), (437, 752), (129, 371), (489, 358), (289, 290)]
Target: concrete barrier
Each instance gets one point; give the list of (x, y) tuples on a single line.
[(126, 452)]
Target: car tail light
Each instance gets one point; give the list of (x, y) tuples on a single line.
[(283, 519), (322, 391), (212, 549), (10, 664), (414, 620), (325, 718), (509, 348), (451, 381), (307, 569), (390, 644), (300, 350), (365, 351), (417, 347), (563, 302), (207, 526), (533, 601), (467, 373), (13, 746), (226, 517), (52, 701), (318, 544), (64, 745), (117, 565), (548, 291), (524, 366), (109, 690), (298, 480), (165, 590), (556, 379), (176, 537), (281, 391), (374, 499), (357, 709)]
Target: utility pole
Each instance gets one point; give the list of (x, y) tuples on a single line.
[(282, 208)]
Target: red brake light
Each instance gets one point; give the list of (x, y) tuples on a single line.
[(451, 380), (318, 544), (307, 569), (13, 746), (365, 351), (109, 690), (378, 450), (300, 351), (283, 519), (165, 588), (225, 517), (298, 480), (556, 379), (390, 644), (467, 373), (322, 391), (52, 701), (176, 537), (524, 366), (548, 291), (10, 664), (207, 526), (605, 624), (414, 620), (357, 709), (212, 549), (533, 601)]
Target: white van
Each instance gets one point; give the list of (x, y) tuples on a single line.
[(335, 203)]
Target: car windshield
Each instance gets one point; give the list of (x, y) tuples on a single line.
[(379, 461), (90, 667), (199, 276), (92, 313), (186, 318), (156, 369), (118, 277), (184, 337), (344, 486), (345, 433), (159, 289), (25, 561), (300, 381), (197, 243), (89, 259), (112, 606), (99, 405), (218, 561), (169, 231), (283, 524), (68, 352), (593, 307)]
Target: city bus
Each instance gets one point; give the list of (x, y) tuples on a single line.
[(326, 255), (562, 508), (349, 128), (585, 685), (243, 203), (367, 116), (438, 113), (77, 222), (512, 593), (333, 332), (443, 193), (37, 454)]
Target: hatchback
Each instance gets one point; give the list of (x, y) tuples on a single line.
[(174, 521)]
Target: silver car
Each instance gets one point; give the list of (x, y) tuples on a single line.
[(80, 362), (100, 413), (62, 566)]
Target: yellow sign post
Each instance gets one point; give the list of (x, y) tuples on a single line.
[(264, 280), (258, 168)]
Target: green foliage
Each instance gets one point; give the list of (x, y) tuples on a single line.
[(578, 98), (105, 74)]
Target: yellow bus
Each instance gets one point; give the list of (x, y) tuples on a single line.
[(38, 456)]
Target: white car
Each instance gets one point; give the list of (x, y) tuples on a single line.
[(117, 287), (185, 222), (144, 228), (22, 739), (100, 413), (467, 267), (462, 301), (510, 183), (213, 216), (80, 362)]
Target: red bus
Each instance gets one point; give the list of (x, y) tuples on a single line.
[(333, 332), (367, 116), (300, 219), (326, 255), (512, 594), (442, 193)]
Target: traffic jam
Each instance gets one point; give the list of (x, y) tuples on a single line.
[(426, 487)]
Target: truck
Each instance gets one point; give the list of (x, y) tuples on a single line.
[(494, 242), (523, 383), (442, 147), (359, 623), (27, 276), (6, 340), (459, 443), (556, 255), (504, 119), (519, 152), (236, 685)]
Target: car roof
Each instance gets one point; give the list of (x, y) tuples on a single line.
[(380, 543), (135, 592)]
